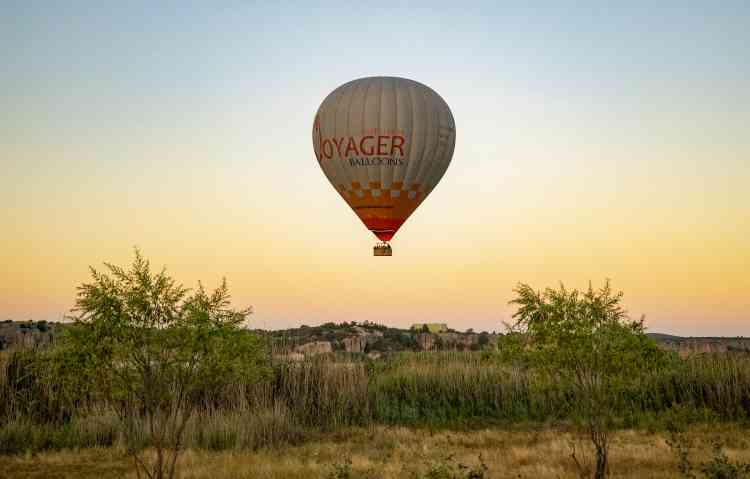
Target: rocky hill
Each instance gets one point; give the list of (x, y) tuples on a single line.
[(375, 339), (27, 333), (688, 346), (369, 338)]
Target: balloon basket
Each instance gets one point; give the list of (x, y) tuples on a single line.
[(382, 249)]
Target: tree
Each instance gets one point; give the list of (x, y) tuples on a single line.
[(587, 341), (153, 350)]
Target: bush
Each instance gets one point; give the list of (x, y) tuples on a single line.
[(340, 470), (448, 468), (718, 467)]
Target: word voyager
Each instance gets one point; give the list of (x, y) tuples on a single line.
[(368, 145)]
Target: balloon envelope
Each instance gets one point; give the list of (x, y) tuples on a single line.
[(384, 143)]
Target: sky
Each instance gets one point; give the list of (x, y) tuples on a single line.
[(593, 143)]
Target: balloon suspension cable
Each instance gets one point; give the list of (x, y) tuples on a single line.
[(382, 249)]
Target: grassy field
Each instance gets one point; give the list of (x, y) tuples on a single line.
[(406, 416), (398, 452)]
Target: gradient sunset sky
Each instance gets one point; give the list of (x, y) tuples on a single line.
[(592, 142)]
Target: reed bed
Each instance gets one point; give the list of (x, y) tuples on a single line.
[(331, 393)]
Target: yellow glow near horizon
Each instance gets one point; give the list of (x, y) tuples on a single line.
[(585, 151)]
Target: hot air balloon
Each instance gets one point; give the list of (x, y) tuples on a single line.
[(384, 143)]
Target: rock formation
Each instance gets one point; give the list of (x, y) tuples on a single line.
[(316, 347)]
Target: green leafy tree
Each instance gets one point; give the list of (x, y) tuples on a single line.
[(586, 341), (153, 350)]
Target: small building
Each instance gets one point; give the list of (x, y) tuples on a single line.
[(431, 327)]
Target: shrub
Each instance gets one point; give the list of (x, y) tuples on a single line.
[(448, 468)]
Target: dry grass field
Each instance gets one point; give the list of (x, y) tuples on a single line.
[(397, 452)]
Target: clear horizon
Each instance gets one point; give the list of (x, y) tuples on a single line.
[(592, 143)]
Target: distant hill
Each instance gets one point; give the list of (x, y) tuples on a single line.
[(658, 337), (27, 333), (378, 339), (370, 338), (686, 346), (329, 337)]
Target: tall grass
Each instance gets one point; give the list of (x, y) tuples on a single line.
[(23, 392), (449, 387), (326, 394)]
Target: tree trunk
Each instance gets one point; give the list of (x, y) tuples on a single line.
[(602, 453)]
